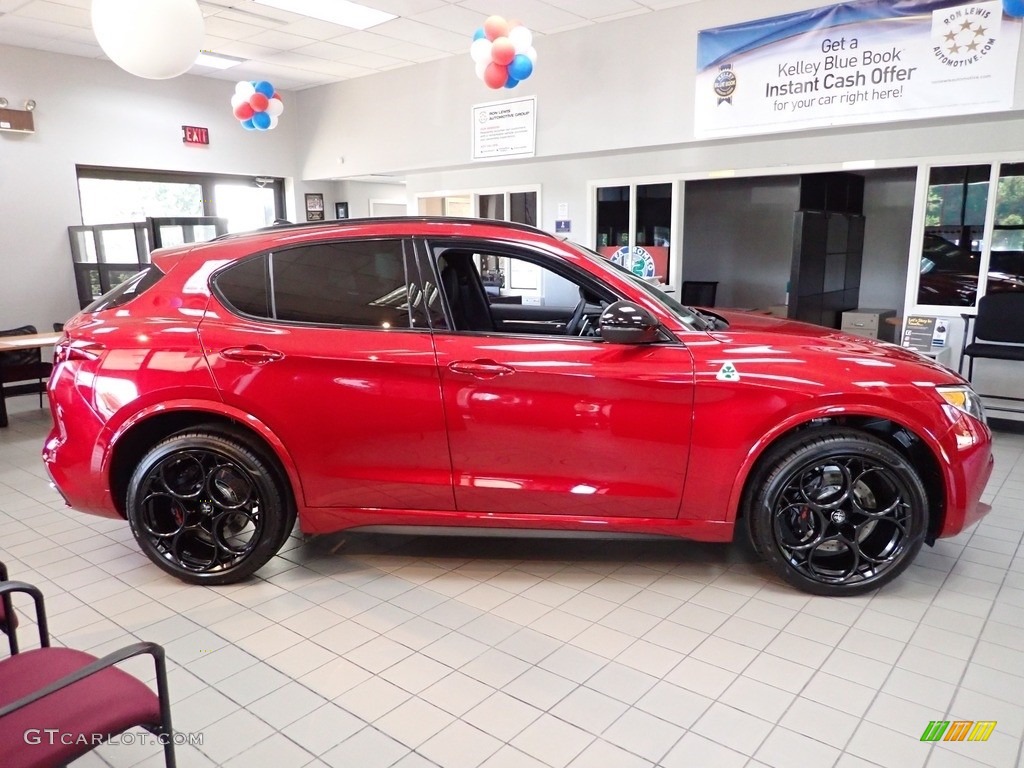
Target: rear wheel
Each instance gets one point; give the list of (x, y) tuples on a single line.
[(207, 509), (837, 512)]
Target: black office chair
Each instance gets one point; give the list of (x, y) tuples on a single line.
[(699, 293), (998, 330)]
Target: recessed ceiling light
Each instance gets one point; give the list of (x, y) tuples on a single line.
[(342, 12), (217, 60)]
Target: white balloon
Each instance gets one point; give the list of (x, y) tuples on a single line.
[(245, 89), (273, 122), (155, 39), (480, 50), (275, 107), (481, 67), (521, 38), (531, 54), (237, 100)]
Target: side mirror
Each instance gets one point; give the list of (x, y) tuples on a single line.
[(624, 322)]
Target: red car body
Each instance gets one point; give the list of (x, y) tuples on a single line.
[(375, 427)]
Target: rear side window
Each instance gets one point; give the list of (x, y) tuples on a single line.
[(130, 289), (361, 283)]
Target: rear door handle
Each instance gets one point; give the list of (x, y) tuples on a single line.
[(480, 369), (254, 354)]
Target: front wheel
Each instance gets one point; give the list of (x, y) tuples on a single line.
[(837, 512), (207, 509)]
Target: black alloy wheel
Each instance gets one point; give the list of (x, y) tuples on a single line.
[(837, 512), (207, 509)]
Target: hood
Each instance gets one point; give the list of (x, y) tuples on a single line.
[(840, 352)]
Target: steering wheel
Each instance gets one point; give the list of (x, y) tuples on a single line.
[(576, 325)]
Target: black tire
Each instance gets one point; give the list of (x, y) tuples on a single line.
[(836, 512), (208, 509)]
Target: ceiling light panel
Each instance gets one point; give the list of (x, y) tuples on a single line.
[(342, 12)]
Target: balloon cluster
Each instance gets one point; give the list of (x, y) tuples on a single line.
[(257, 105), (503, 52)]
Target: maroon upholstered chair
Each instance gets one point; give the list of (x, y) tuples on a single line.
[(56, 704)]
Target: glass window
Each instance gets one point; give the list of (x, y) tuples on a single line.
[(954, 232), (612, 219), (105, 201), (654, 223), (246, 286), (524, 207), (1006, 262), (116, 195), (245, 207), (532, 299), (352, 283), (492, 207)]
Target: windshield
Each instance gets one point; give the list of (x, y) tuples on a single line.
[(687, 315)]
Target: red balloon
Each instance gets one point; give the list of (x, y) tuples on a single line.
[(503, 51), (495, 75), (258, 102), (243, 111), (495, 27), (277, 96)]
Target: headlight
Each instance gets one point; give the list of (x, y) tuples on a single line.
[(964, 399)]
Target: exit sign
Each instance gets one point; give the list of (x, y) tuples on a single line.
[(193, 134)]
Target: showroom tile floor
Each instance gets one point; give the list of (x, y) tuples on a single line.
[(368, 651)]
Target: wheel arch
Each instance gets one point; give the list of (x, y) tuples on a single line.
[(906, 441), (134, 439)]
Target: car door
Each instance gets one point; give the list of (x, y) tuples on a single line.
[(541, 422), (321, 344)]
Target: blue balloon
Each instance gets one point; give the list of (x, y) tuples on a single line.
[(265, 88), (261, 120), (1014, 7), (521, 67), (511, 82), (247, 124), (479, 33)]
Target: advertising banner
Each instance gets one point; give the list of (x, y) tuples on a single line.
[(858, 62)]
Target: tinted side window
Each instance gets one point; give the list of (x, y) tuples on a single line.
[(246, 286), (351, 283)]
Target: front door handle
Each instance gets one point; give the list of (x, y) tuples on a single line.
[(254, 354), (480, 369)]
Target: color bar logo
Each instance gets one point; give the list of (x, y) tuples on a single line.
[(958, 730)]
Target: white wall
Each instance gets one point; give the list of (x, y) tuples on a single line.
[(740, 233), (93, 113)]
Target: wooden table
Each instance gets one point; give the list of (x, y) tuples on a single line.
[(18, 342), (28, 341)]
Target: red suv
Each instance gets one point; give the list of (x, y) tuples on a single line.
[(358, 374)]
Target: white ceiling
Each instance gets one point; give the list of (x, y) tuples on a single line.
[(296, 52)]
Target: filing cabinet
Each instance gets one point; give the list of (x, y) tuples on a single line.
[(870, 323)]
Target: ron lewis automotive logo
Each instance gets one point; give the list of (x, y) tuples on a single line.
[(964, 35)]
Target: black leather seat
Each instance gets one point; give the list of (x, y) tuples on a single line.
[(465, 293)]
